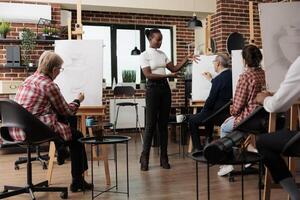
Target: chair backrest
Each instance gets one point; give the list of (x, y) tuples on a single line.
[(14, 115), (124, 91), (255, 123), (218, 117), (294, 145)]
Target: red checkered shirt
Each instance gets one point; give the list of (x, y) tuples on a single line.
[(42, 97), (251, 82)]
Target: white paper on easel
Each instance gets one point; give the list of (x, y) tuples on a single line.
[(281, 42), (200, 85), (83, 70)]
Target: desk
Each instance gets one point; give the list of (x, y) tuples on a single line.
[(106, 140)]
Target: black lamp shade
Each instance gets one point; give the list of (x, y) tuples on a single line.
[(135, 51), (194, 23)]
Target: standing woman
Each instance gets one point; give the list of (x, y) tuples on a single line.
[(158, 95)]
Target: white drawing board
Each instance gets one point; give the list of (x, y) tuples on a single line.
[(280, 28), (200, 85), (83, 71)]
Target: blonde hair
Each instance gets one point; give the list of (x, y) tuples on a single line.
[(48, 61)]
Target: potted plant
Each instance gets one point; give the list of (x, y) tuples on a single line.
[(28, 43), (4, 29), (129, 77), (54, 33), (46, 31)]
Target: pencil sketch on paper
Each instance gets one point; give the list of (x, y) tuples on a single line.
[(82, 70), (280, 41)]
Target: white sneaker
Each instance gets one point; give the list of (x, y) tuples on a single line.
[(248, 165), (226, 169)]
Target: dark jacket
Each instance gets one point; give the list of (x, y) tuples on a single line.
[(220, 92)]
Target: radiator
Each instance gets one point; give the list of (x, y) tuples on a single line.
[(127, 116)]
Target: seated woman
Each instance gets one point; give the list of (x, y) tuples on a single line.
[(42, 97), (250, 83)]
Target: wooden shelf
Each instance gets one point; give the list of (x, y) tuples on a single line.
[(38, 41), (30, 69)]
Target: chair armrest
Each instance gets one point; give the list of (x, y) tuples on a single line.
[(256, 122), (220, 110)]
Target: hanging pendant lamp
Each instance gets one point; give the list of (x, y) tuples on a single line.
[(135, 51), (194, 22)]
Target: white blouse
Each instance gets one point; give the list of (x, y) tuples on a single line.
[(155, 59), (288, 92)]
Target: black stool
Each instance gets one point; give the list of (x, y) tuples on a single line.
[(238, 158), (180, 143)]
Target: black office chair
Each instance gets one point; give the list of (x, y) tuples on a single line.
[(15, 116), (129, 92)]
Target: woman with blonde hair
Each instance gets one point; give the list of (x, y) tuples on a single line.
[(42, 97)]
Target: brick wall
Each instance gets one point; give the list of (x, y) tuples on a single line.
[(13, 35), (231, 16), (184, 37)]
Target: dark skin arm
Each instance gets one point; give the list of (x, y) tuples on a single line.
[(176, 68), (150, 76)]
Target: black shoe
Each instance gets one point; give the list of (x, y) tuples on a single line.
[(144, 160), (62, 155), (80, 185), (164, 162)]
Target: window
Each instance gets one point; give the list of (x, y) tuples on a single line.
[(119, 40), (126, 40), (101, 33)]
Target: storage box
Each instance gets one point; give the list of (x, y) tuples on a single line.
[(9, 87)]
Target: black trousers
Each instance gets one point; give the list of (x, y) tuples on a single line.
[(77, 149), (194, 122), (270, 146), (158, 105)]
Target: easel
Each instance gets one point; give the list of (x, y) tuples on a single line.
[(195, 105), (82, 112), (291, 161), (207, 44), (251, 23)]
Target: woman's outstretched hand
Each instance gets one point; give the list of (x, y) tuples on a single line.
[(193, 57)]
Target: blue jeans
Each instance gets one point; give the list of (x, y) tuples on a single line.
[(227, 126)]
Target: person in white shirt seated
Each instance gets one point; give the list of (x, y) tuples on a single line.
[(270, 146)]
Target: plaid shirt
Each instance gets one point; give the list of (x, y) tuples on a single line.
[(42, 97), (249, 84)]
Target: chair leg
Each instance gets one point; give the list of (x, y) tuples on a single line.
[(138, 125), (106, 164), (52, 150), (190, 145), (116, 119), (30, 188)]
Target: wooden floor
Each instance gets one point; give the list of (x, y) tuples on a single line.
[(178, 183)]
